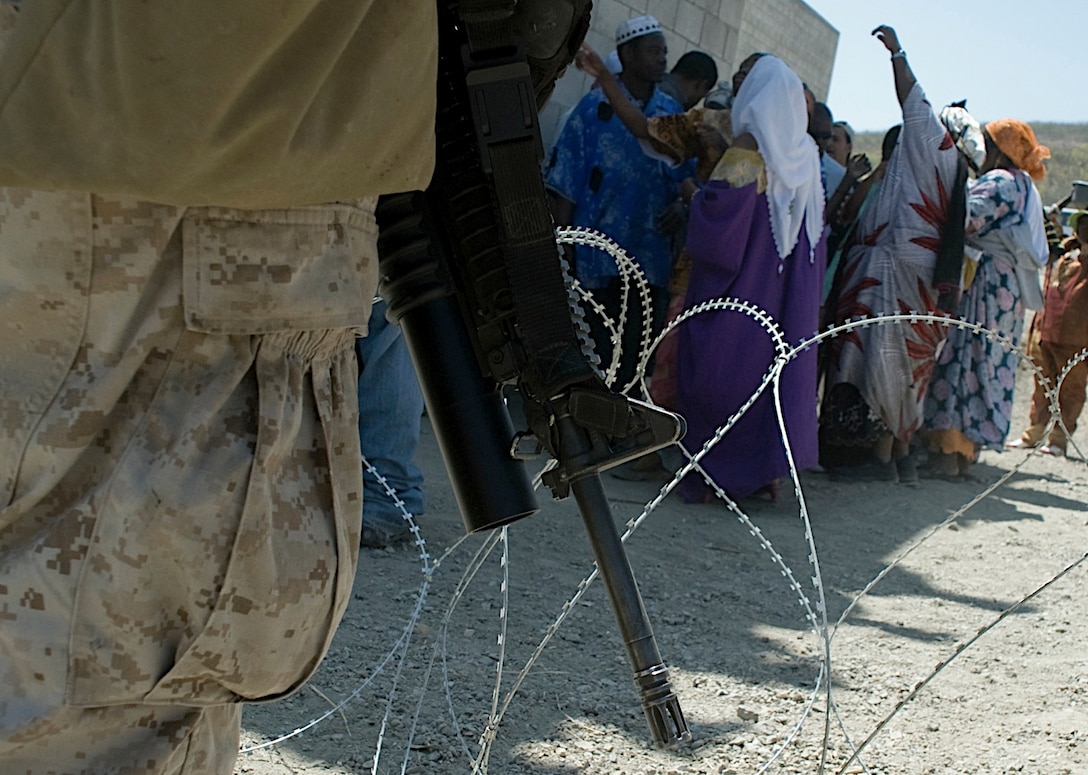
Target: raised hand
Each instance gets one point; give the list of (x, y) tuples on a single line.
[(589, 62), (904, 76), (888, 37), (858, 165)]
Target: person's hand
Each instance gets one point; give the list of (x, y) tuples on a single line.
[(888, 37), (589, 62), (858, 165), (875, 175)]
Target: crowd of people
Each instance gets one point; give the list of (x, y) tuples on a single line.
[(189, 258), (779, 212)]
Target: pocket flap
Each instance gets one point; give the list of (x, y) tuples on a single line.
[(259, 272)]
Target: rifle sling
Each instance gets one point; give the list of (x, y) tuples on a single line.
[(512, 153)]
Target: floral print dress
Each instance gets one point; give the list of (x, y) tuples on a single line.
[(969, 403)]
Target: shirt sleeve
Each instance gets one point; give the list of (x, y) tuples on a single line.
[(922, 128)]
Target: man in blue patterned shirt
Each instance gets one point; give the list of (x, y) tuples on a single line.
[(598, 176)]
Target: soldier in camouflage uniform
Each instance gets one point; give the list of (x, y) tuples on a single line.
[(180, 480)]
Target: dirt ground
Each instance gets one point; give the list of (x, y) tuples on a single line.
[(419, 652)]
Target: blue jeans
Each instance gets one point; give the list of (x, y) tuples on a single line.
[(390, 407)]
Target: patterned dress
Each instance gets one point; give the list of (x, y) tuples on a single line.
[(877, 375), (970, 401)]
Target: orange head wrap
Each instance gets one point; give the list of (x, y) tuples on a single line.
[(1016, 140)]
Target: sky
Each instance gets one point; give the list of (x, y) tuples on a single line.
[(1008, 59)]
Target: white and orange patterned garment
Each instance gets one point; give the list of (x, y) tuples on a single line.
[(676, 137)]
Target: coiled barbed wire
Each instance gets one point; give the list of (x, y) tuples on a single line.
[(814, 614), (631, 274)]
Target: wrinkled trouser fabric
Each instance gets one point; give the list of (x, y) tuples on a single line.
[(170, 544)]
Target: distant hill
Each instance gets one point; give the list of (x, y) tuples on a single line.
[(1068, 145)]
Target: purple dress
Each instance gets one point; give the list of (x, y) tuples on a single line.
[(723, 355)]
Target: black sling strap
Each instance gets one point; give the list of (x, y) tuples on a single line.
[(511, 151)]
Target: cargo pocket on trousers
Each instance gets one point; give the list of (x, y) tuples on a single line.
[(244, 605), (293, 562), (204, 587)]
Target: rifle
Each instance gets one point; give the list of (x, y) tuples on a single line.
[(472, 272)]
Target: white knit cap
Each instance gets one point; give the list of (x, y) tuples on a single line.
[(636, 28)]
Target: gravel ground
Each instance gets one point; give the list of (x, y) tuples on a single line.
[(418, 674)]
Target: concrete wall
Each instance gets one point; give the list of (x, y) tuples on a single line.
[(728, 30)]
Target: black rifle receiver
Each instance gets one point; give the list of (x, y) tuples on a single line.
[(472, 272)]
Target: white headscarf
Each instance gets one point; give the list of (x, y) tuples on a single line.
[(770, 104)]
